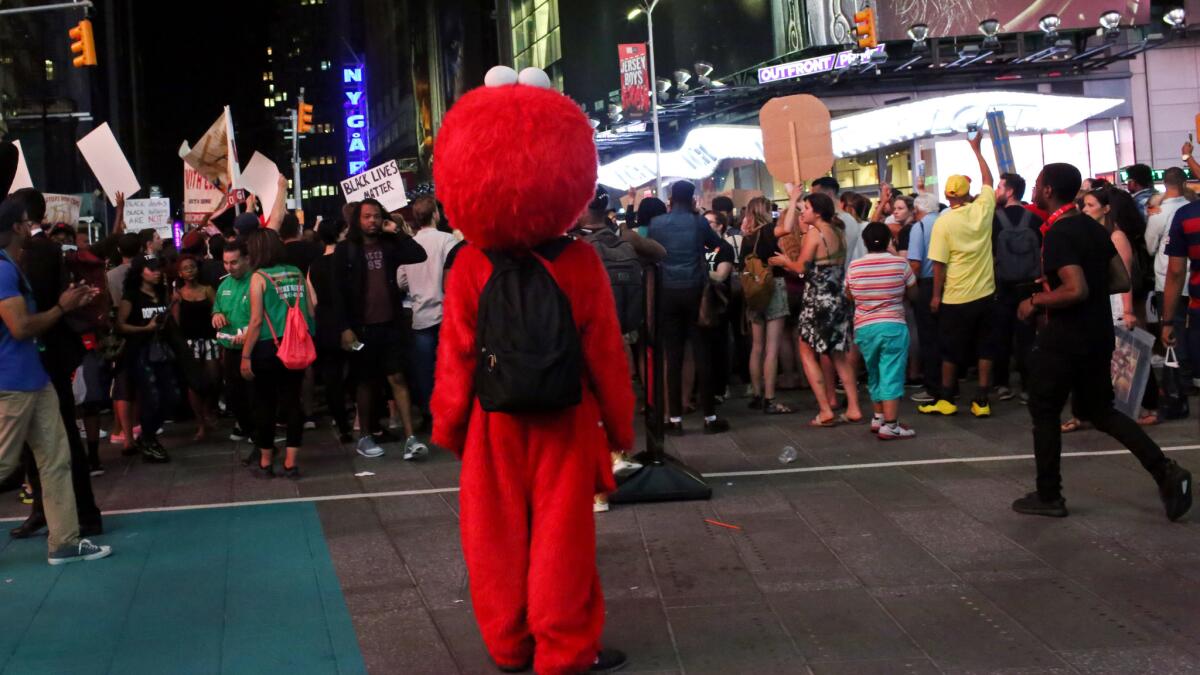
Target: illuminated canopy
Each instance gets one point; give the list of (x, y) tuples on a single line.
[(705, 147)]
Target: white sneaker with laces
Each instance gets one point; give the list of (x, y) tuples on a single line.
[(876, 423), (414, 449), (367, 447), (895, 432), (625, 467)]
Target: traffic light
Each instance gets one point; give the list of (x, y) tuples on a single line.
[(83, 44), (864, 28), (304, 117)]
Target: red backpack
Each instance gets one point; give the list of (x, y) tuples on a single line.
[(295, 350)]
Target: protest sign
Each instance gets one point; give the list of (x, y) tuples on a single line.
[(62, 208), (22, 179), (215, 155), (383, 183), (149, 214), (261, 177), (1130, 368), (200, 197), (107, 161), (797, 141)]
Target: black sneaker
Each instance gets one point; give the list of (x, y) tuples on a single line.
[(292, 473), (1033, 505), (238, 435), (756, 403), (83, 550), (263, 472), (154, 452), (609, 661), (717, 426), (1176, 490), (96, 470), (674, 428)]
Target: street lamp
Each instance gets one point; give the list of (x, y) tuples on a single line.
[(989, 28), (1110, 23), (647, 8)]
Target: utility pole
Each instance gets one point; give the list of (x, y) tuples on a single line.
[(296, 151)]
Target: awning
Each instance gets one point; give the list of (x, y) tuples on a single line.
[(705, 147)]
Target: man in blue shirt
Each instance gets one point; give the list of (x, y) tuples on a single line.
[(685, 234), (28, 404), (926, 208)]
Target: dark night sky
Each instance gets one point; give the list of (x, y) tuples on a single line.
[(193, 62)]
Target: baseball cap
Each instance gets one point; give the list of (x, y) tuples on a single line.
[(958, 186), (246, 224)]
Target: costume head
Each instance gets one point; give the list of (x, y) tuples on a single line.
[(515, 161)]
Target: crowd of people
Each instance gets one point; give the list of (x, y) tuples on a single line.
[(255, 313)]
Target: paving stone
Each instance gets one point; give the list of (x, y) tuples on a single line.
[(726, 639), (403, 641), (1159, 660), (963, 631), (963, 543), (639, 628), (841, 625), (784, 554), (890, 667)]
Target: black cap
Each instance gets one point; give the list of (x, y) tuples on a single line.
[(683, 191), (246, 224), (12, 211)]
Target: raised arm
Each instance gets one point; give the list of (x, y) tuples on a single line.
[(984, 170)]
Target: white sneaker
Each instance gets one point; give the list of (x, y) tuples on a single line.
[(367, 447), (876, 423), (309, 425), (625, 467), (895, 432), (600, 505), (414, 449), (1004, 393)]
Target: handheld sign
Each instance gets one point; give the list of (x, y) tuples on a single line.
[(797, 143), (149, 214), (1000, 141), (21, 179), (382, 183), (261, 177), (103, 154)]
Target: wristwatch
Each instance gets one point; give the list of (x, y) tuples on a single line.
[(1186, 157)]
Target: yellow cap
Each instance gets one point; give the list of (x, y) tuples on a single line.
[(958, 186)]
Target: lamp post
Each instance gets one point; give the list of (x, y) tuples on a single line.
[(648, 8)]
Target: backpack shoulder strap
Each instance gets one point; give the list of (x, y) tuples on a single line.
[(1026, 218), (550, 250), (1005, 222)]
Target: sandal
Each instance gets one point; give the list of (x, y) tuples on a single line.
[(1071, 425), (818, 422), (770, 407), (843, 419), (1149, 419)]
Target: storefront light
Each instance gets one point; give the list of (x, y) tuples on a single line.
[(1110, 23), (1176, 18), (989, 28)]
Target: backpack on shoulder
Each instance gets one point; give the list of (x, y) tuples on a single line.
[(1018, 251), (624, 274), (296, 350), (529, 351), (758, 282)]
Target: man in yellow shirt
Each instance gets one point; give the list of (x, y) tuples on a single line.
[(964, 285)]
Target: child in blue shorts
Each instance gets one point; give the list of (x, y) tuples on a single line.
[(877, 283)]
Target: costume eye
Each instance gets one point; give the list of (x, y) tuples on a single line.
[(534, 77), (500, 76)]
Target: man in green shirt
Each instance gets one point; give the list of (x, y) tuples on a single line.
[(231, 315)]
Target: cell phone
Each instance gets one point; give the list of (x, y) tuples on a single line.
[(972, 131), (357, 347)]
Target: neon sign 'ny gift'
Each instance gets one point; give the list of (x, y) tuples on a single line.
[(354, 105)]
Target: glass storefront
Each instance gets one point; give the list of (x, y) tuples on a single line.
[(536, 37)]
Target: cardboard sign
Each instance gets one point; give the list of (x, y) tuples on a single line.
[(104, 155), (22, 179), (149, 214), (1130, 368), (797, 143), (261, 177), (383, 183), (62, 208), (200, 197)]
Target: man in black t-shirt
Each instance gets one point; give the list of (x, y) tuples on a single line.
[(1073, 351)]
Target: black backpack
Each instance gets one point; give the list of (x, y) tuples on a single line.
[(624, 274), (1018, 251), (530, 356)]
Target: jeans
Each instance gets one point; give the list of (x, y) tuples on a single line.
[(424, 363), (930, 355), (678, 317), (156, 388), (237, 390), (275, 385), (1007, 330), (1056, 374)]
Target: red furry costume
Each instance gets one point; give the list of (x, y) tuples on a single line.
[(515, 166)]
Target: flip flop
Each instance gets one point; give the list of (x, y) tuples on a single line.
[(1072, 425), (842, 419), (824, 424)]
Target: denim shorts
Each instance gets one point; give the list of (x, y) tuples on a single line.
[(777, 308)]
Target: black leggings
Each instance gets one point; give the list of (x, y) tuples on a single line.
[(331, 364), (156, 390), (237, 390), (275, 386)]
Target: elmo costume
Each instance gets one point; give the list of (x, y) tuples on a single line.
[(515, 166)]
